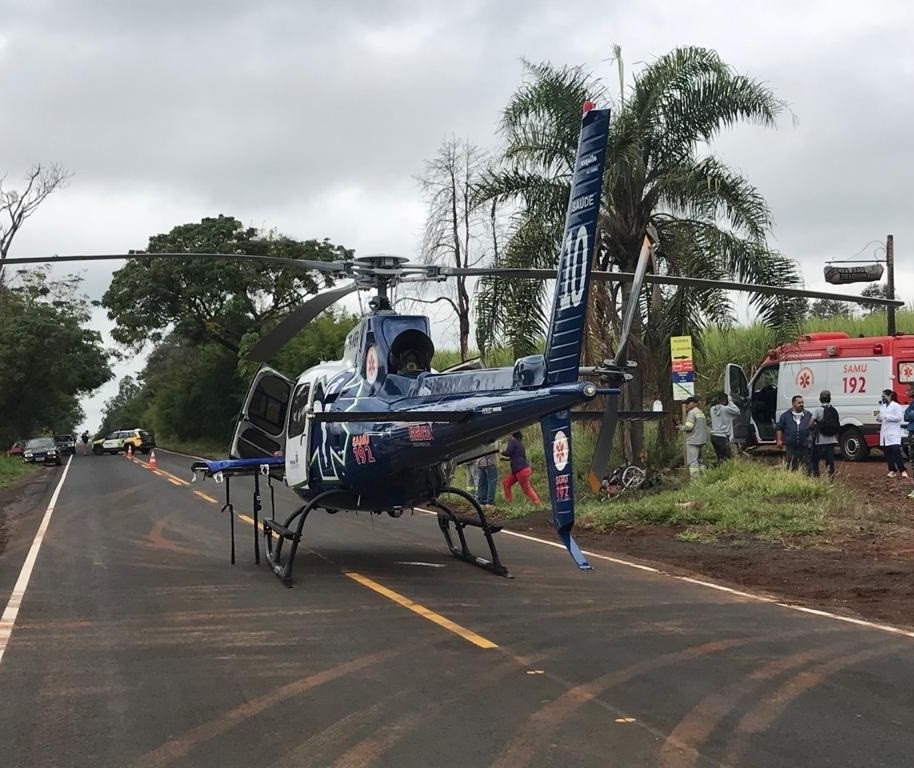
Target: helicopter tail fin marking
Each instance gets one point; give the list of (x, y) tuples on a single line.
[(557, 444), (569, 308)]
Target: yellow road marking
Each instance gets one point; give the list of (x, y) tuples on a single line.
[(424, 612), (173, 478), (175, 482), (203, 496)]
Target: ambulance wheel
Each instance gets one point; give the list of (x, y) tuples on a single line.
[(853, 445)]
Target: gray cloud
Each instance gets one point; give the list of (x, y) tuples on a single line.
[(314, 117)]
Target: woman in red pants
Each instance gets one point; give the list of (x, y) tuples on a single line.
[(520, 469)]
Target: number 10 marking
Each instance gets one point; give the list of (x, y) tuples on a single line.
[(574, 272)]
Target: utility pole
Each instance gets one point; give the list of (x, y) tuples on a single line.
[(890, 281)]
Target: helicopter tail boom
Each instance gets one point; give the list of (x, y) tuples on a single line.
[(569, 310)]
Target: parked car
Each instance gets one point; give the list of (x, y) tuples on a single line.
[(66, 443), (16, 448), (117, 442), (42, 450)]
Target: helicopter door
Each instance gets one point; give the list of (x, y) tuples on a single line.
[(261, 426), (736, 385), (298, 441)]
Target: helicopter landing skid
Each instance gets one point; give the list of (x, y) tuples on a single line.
[(286, 531), (447, 516)]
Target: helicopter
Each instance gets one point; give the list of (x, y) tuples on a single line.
[(379, 430)]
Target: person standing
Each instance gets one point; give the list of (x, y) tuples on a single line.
[(696, 429), (723, 412), (472, 476), (891, 416), (909, 423), (826, 423), (488, 475), (794, 434), (520, 469)]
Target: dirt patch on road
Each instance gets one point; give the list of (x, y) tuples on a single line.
[(864, 567)]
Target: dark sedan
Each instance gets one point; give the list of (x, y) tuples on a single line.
[(42, 450)]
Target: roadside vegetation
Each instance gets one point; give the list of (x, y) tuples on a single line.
[(12, 470), (741, 497)]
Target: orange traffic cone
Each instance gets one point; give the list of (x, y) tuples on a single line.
[(129, 452), (152, 459)]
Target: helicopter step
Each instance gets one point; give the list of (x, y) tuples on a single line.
[(285, 533), (448, 516)]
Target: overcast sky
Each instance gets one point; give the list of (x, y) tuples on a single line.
[(315, 117)]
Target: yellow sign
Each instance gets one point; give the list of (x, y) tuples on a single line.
[(681, 347)]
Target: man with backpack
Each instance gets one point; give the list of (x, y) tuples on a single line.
[(826, 424)]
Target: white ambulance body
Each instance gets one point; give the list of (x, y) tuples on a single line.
[(854, 369)]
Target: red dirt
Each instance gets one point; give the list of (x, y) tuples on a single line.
[(864, 569)]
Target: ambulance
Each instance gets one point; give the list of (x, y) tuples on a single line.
[(854, 369)]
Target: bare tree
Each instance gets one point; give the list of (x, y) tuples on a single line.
[(457, 227), (16, 207)]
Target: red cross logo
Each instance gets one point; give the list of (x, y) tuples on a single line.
[(560, 450), (804, 378), (371, 365)]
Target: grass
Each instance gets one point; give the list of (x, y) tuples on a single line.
[(207, 449), (740, 498), (12, 470)]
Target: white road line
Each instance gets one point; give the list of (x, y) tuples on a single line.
[(12, 607), (711, 585)]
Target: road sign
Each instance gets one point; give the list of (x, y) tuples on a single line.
[(683, 369), (681, 347)]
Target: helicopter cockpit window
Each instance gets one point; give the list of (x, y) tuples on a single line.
[(411, 353)]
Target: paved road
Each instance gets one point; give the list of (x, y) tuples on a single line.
[(138, 644)]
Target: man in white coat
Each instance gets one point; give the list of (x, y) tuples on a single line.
[(891, 416)]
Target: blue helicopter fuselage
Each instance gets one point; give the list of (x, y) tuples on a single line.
[(333, 429)]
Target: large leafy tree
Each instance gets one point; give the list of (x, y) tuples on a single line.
[(660, 169), (211, 300), (48, 357)]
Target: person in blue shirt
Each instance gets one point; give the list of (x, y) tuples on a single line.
[(794, 434)]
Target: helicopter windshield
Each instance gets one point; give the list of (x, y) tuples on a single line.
[(411, 350)]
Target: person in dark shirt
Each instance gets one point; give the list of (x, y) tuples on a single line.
[(520, 469), (794, 434)]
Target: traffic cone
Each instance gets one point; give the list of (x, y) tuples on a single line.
[(152, 459), (129, 453)]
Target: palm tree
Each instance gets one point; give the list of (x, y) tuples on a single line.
[(660, 169)]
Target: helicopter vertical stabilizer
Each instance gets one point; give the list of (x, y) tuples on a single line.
[(569, 307), (569, 310)]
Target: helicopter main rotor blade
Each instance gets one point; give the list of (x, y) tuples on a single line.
[(640, 270), (599, 462), (687, 282), (267, 346), (334, 267)]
